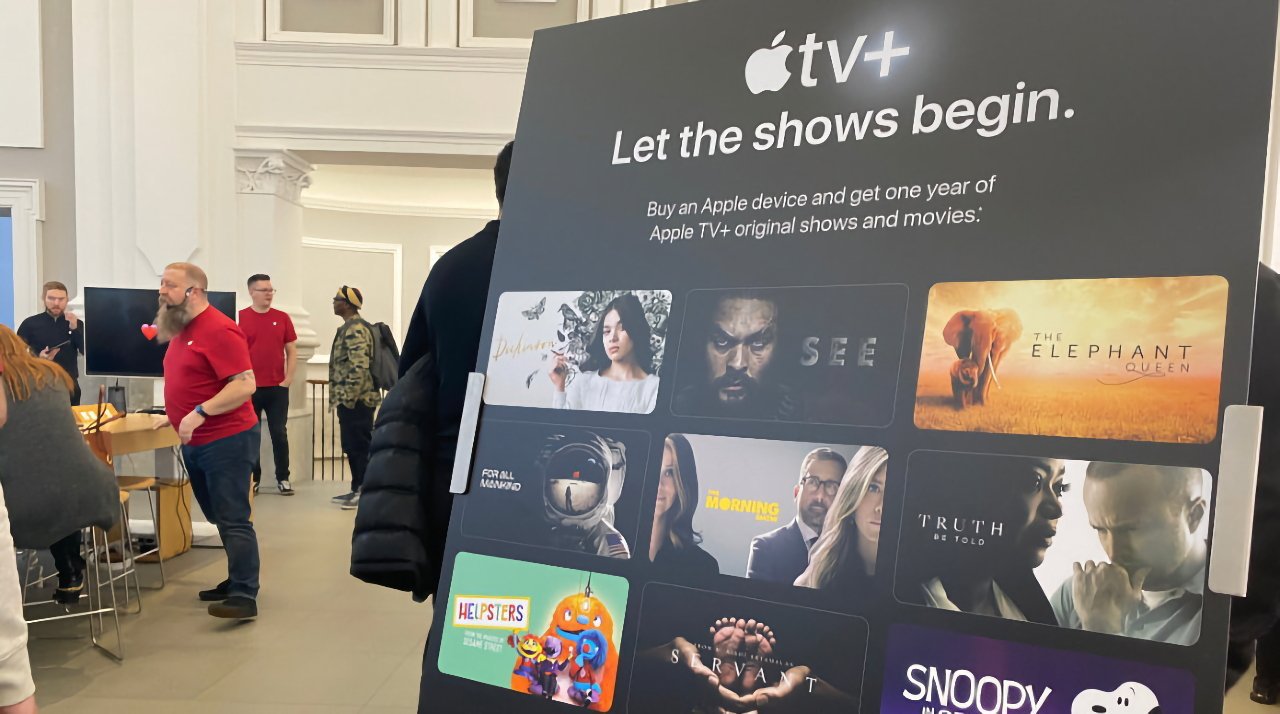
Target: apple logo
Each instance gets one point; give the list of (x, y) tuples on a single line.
[(767, 67)]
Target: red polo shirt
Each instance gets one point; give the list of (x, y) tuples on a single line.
[(197, 365), (267, 332)]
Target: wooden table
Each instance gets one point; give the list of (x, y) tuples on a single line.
[(136, 433)]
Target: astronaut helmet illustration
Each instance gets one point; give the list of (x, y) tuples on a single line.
[(583, 474), (1128, 698)]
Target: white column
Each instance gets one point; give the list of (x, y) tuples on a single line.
[(412, 20), (102, 62), (168, 74), (251, 18), (606, 8), (269, 240), (442, 23)]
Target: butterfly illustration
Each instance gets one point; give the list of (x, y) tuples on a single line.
[(535, 312), (571, 317)]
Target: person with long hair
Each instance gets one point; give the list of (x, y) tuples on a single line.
[(617, 375), (673, 543), (55, 484), (17, 689), (844, 556)]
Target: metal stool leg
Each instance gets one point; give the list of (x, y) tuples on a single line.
[(128, 560), (26, 575), (33, 565), (96, 612), (152, 497), (96, 605), (128, 566)]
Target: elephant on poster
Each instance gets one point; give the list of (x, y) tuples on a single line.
[(981, 339)]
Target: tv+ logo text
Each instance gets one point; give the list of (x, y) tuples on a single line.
[(767, 71)]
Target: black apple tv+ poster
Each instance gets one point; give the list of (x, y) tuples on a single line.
[(863, 357)]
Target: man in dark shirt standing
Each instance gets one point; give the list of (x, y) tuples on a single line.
[(446, 324), (56, 334)]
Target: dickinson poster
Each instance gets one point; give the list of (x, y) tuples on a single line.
[(863, 357)]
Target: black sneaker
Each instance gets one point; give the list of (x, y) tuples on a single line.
[(217, 594), (286, 488), (69, 593), (236, 607), (1264, 690), (343, 498)]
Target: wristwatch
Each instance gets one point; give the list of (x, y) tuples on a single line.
[(200, 410)]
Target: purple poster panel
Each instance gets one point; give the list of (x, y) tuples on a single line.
[(936, 672)]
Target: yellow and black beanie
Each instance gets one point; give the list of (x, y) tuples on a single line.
[(351, 295)]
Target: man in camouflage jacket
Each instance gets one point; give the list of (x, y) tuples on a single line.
[(351, 389)]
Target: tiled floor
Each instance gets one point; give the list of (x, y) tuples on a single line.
[(1238, 700), (324, 642)]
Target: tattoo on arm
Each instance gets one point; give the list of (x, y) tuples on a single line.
[(247, 374)]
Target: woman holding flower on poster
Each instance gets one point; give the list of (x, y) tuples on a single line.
[(618, 373)]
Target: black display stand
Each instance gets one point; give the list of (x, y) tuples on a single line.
[(961, 290)]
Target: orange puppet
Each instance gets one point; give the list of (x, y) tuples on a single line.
[(590, 654)]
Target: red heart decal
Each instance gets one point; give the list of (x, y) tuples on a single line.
[(149, 331)]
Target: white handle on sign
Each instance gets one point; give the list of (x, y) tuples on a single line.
[(467, 434), (1237, 485)]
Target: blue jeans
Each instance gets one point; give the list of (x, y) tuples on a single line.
[(221, 473)]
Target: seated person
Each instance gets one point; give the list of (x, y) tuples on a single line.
[(54, 484)]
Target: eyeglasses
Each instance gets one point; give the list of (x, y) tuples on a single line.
[(813, 483)]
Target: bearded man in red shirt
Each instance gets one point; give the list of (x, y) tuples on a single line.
[(208, 383)]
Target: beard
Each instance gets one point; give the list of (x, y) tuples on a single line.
[(749, 389), (815, 516), (171, 320)]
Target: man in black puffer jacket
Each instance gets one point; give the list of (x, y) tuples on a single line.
[(405, 505), (404, 510)]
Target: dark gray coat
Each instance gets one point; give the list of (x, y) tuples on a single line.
[(53, 483)]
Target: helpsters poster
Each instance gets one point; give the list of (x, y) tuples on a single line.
[(547, 632), (882, 349)]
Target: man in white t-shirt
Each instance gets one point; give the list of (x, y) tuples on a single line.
[(1147, 519)]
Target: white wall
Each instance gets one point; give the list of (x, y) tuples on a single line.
[(55, 163), (415, 234), (22, 122)]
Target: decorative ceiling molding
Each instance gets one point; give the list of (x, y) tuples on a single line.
[(420, 59), (280, 173), (328, 203), (336, 138)]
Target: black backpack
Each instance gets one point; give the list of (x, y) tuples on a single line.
[(386, 356)]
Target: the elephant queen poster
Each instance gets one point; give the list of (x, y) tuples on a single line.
[(1132, 359)]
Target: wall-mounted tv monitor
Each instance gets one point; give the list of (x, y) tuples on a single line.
[(115, 341)]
